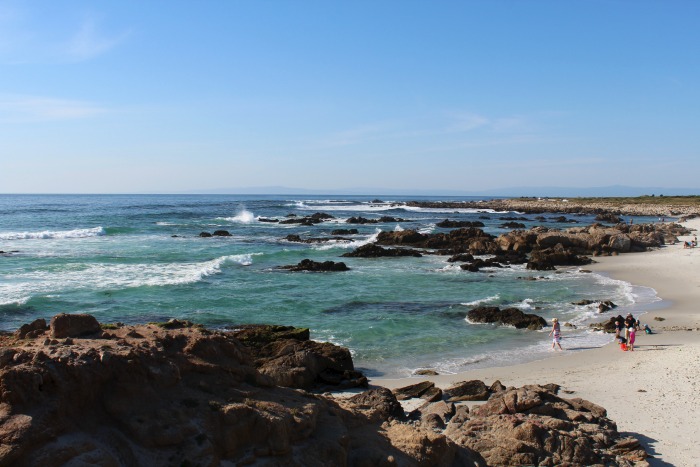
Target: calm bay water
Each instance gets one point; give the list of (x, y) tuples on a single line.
[(138, 258)]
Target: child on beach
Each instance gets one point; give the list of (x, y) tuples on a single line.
[(555, 333), (630, 345)]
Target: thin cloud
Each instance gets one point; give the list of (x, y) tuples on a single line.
[(89, 42), (28, 109), (24, 41)]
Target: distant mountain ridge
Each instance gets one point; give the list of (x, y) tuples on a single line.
[(542, 191)]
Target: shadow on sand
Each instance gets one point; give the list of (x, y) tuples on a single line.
[(647, 442)]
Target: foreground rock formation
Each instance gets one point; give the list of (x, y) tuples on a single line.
[(77, 393)]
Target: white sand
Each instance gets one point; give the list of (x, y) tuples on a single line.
[(651, 393)]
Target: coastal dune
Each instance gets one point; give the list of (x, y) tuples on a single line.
[(650, 393)]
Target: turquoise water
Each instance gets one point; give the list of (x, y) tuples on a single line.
[(138, 258)]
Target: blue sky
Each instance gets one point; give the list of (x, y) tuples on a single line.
[(180, 96)]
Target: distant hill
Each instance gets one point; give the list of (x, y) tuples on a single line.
[(559, 192)]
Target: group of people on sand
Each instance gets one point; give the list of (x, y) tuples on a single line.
[(629, 325), (691, 243)]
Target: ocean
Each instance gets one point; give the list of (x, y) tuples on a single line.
[(139, 258)]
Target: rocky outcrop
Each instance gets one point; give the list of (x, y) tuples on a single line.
[(313, 219), (178, 394), (509, 316), (533, 426), (464, 240), (372, 250), (381, 220), (448, 224), (297, 239), (316, 266)]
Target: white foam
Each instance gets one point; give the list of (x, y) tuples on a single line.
[(51, 234), (398, 228), (243, 217), (430, 228), (482, 300), (99, 276), (355, 244)]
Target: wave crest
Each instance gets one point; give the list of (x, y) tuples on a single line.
[(52, 234)]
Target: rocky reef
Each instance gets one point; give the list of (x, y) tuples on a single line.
[(79, 393)]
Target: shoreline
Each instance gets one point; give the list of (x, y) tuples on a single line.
[(650, 393)]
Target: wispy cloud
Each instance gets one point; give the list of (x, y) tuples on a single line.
[(24, 39), (89, 41), (30, 109)]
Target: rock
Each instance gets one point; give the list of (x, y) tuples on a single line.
[(344, 232), (221, 233), (379, 402), (372, 250), (205, 234), (413, 391), (65, 325), (509, 316), (426, 372), (315, 266), (445, 410), (452, 224), (32, 329), (609, 217), (474, 390)]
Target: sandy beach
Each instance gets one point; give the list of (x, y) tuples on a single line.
[(650, 393)]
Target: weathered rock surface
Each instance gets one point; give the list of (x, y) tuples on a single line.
[(372, 250), (509, 316), (179, 394)]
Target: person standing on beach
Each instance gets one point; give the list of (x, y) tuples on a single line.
[(556, 333), (630, 341)]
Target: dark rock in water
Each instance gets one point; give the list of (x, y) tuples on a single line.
[(452, 224), (609, 217), (461, 257), (479, 263), (509, 316), (221, 233), (545, 259), (512, 225), (381, 220), (609, 325), (205, 234), (297, 239), (474, 390), (375, 251), (583, 302), (511, 218), (562, 219), (267, 219), (315, 266), (377, 201), (607, 305), (65, 325), (344, 232)]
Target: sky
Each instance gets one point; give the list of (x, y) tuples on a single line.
[(182, 96)]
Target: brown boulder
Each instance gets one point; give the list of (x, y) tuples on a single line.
[(474, 390), (65, 325)]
